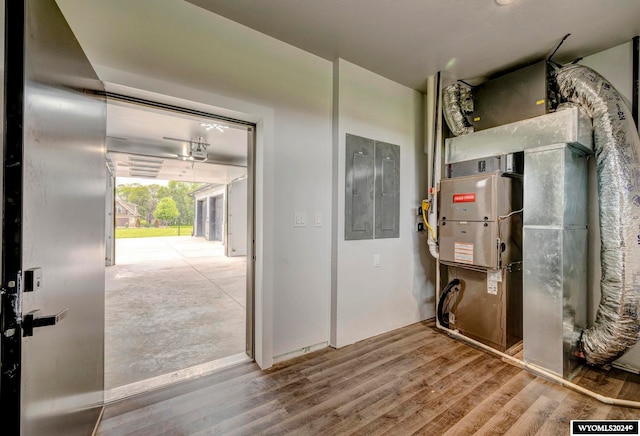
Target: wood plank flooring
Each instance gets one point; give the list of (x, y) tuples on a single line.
[(415, 380)]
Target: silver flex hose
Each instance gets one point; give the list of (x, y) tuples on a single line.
[(456, 102), (617, 151)]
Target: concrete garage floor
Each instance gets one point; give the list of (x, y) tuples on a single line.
[(171, 303)]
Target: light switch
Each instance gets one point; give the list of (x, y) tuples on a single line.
[(318, 219), (300, 219), (376, 261)]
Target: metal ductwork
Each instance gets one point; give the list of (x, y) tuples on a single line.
[(457, 103), (617, 151)]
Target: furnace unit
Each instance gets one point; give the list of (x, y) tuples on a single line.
[(481, 246)]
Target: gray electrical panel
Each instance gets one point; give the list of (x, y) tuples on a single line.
[(372, 189), (387, 192), (359, 187)]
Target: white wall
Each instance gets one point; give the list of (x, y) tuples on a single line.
[(615, 65), (366, 300), (237, 217), (173, 51)]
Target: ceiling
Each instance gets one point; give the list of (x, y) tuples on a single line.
[(403, 40), (139, 146), (149, 167), (408, 40)]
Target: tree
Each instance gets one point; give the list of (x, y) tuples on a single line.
[(147, 198), (179, 191), (166, 210), (156, 192)]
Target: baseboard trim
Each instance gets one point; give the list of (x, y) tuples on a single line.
[(297, 353)]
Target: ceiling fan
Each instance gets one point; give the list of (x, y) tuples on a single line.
[(197, 149)]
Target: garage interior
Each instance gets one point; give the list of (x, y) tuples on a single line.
[(175, 306)]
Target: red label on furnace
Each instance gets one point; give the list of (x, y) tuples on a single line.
[(464, 198)]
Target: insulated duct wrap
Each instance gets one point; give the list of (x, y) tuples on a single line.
[(617, 151), (457, 101)]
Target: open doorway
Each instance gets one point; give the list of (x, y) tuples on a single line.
[(178, 298)]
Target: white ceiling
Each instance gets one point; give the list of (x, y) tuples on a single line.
[(148, 167), (408, 40), (403, 40), (134, 131)]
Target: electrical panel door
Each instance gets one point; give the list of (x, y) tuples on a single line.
[(359, 187), (387, 194)]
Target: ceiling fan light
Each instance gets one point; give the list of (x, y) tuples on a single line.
[(210, 126)]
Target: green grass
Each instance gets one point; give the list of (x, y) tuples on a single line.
[(152, 232)]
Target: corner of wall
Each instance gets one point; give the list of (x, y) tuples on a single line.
[(335, 118)]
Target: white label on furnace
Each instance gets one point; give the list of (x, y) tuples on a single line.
[(493, 278), (462, 252), (496, 276)]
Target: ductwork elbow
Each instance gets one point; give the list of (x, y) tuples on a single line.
[(617, 152), (457, 102)]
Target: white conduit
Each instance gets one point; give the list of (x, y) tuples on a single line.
[(542, 372), (430, 207)]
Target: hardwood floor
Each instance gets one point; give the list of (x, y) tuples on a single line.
[(415, 380)]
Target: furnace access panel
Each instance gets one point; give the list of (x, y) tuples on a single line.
[(470, 232)]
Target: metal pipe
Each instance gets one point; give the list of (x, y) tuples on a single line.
[(434, 138)]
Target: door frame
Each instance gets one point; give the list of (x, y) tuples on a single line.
[(251, 128), (10, 381)]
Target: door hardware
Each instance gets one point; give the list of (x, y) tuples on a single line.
[(32, 321)]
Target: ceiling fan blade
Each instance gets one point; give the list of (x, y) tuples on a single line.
[(185, 141)]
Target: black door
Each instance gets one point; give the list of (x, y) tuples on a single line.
[(53, 228)]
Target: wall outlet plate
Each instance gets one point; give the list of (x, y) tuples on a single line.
[(300, 219)]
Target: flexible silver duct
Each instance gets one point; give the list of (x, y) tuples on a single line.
[(457, 101), (617, 151)]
